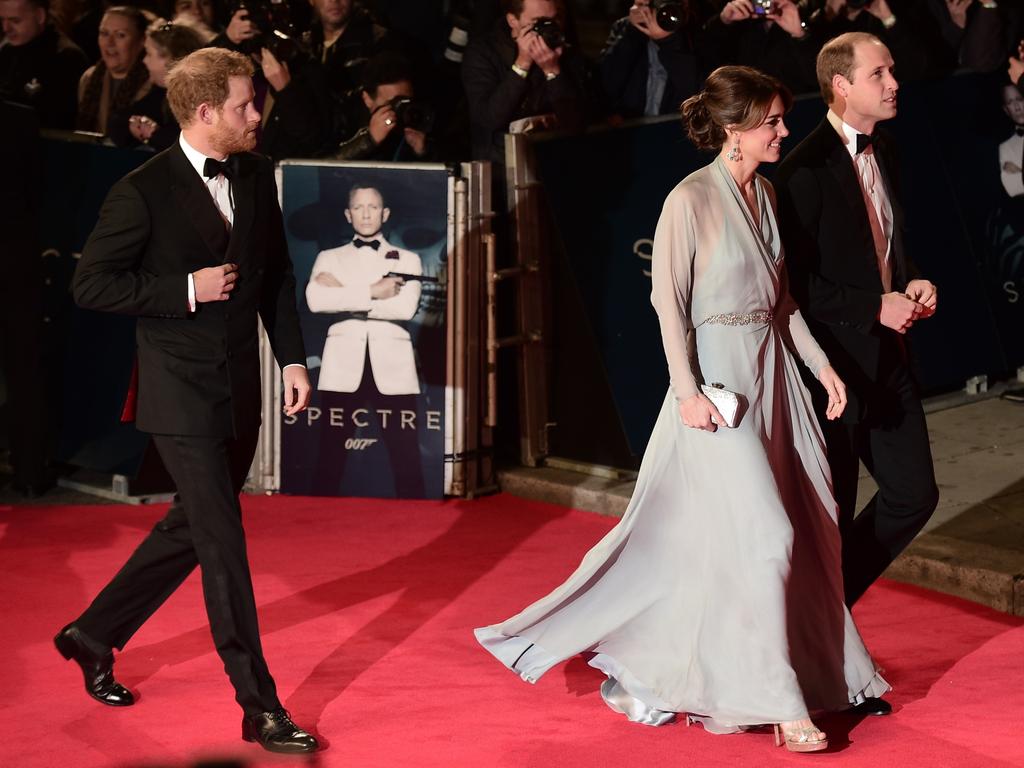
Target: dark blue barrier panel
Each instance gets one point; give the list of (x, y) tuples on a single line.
[(89, 354), (375, 425), (605, 191)]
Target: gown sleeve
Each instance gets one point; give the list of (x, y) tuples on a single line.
[(672, 271)]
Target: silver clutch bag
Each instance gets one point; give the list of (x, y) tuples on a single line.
[(727, 402)]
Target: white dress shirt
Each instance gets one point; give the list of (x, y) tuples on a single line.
[(220, 190), (876, 198)]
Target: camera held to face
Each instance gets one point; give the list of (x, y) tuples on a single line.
[(550, 32), (273, 19), (763, 7), (409, 113), (671, 15)]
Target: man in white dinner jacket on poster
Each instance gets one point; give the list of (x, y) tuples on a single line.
[(352, 281)]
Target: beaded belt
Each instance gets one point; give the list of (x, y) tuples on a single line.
[(759, 317)]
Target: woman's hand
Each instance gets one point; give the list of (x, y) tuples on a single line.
[(836, 392), (698, 412), (141, 127)]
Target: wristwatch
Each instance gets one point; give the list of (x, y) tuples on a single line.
[(889, 21), (519, 70)]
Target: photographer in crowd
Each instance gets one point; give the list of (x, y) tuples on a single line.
[(910, 34), (649, 64), (523, 68), (291, 94), (343, 38), (39, 66), (395, 126), (972, 33), (768, 35)]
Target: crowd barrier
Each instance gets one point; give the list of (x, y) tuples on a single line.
[(603, 194)]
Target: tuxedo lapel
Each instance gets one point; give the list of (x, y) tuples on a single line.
[(243, 191), (841, 167), (196, 202)]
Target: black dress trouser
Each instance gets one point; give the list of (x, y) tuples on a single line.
[(203, 527), (893, 444)]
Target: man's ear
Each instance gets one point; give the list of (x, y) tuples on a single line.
[(348, 215), (367, 100), (41, 16), (840, 85), (385, 214), (513, 24), (204, 113)]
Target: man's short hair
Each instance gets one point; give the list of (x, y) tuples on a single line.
[(203, 77), (515, 7), (385, 68), (360, 185), (836, 57)]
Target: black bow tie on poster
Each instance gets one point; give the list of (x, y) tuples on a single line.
[(213, 168), (360, 243), (864, 141)]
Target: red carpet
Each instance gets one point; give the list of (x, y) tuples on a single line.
[(366, 611)]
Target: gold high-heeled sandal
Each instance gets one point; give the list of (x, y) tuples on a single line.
[(800, 739)]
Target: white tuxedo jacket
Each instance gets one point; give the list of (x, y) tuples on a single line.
[(1012, 151), (392, 359)]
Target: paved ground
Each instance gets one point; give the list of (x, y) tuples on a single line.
[(973, 546)]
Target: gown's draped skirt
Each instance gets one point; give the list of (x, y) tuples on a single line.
[(720, 592)]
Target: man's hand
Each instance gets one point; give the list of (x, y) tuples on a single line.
[(544, 57), (786, 14), (924, 293), (215, 283), (524, 58), (326, 278), (417, 140), (697, 412), (645, 20), (386, 288), (296, 389), (737, 10), (899, 312), (1016, 68), (877, 8), (836, 392), (240, 28), (958, 11), (382, 122), (275, 71)]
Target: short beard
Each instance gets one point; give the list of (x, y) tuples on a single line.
[(227, 142)]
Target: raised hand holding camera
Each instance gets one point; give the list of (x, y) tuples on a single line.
[(737, 10), (382, 122), (240, 28), (275, 71), (786, 14), (645, 20)]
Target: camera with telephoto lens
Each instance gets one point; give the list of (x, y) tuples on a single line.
[(275, 29), (413, 114), (550, 32), (670, 15)]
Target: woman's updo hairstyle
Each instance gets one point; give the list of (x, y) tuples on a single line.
[(734, 96)]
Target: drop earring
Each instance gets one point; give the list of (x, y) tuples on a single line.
[(734, 153)]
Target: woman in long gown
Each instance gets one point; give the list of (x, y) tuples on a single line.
[(719, 594)]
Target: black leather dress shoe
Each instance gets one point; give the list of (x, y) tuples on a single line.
[(276, 732), (873, 706), (97, 668)]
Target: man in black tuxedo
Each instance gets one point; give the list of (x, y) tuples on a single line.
[(193, 244), (856, 285)]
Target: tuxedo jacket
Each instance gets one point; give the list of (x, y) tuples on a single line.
[(198, 372), (366, 324), (832, 264)]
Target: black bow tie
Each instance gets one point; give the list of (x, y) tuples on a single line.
[(213, 168), (375, 244), (864, 141)]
